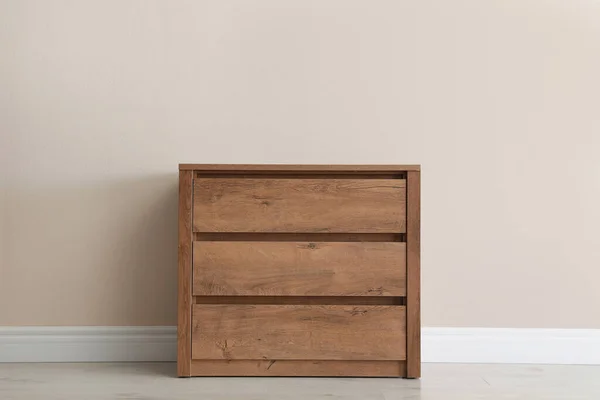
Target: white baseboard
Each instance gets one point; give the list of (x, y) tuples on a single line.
[(450, 345), (88, 344), (511, 346)]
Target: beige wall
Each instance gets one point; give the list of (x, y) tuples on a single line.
[(499, 100)]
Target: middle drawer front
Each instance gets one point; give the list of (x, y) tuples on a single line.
[(299, 268), (295, 332)]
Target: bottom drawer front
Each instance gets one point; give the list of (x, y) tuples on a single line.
[(298, 332)]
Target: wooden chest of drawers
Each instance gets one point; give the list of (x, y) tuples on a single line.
[(299, 270)]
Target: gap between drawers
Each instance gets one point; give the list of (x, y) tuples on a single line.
[(303, 300), (298, 237)]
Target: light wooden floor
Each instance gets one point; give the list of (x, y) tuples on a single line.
[(156, 381)]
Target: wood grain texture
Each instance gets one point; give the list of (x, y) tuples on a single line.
[(290, 332), (413, 261), (304, 300), (184, 296), (297, 167), (299, 269), (298, 368), (300, 205)]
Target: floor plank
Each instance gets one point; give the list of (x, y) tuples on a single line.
[(154, 381)]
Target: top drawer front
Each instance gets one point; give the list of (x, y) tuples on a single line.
[(299, 205)]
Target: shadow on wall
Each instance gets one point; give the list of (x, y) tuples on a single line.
[(93, 253)]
